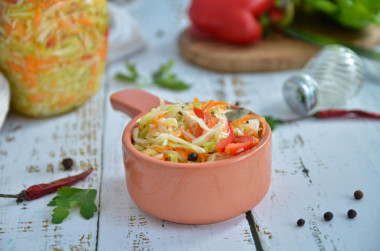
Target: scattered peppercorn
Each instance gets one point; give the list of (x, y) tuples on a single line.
[(237, 103), (192, 156), (328, 216), (67, 163), (301, 222), (351, 213), (358, 194)]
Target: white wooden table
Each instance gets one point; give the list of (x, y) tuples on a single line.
[(317, 165)]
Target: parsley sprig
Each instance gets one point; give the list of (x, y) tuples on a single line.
[(162, 77), (71, 197)]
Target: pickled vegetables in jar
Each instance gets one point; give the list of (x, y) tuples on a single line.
[(53, 53)]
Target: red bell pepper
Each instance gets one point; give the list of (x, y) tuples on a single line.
[(221, 145), (199, 113), (240, 144), (234, 21)]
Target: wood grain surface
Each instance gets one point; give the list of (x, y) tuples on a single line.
[(273, 53), (316, 167)]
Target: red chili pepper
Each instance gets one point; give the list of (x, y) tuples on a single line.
[(37, 191), (231, 21), (340, 113)]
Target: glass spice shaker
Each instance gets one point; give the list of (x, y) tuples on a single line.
[(328, 80)]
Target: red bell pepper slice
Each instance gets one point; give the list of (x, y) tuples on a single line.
[(241, 144), (199, 113), (198, 132), (221, 145)]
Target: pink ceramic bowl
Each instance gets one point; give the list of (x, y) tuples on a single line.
[(191, 193)]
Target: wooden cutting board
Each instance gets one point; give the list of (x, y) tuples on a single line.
[(276, 52)]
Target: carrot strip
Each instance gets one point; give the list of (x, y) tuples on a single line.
[(162, 115), (182, 152), (85, 22), (37, 98), (220, 103), (155, 122), (263, 125), (185, 136), (208, 104), (203, 156), (196, 100), (251, 132), (37, 18), (7, 28), (212, 122), (161, 148)]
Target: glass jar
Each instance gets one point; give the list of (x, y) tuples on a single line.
[(53, 53), (329, 80)]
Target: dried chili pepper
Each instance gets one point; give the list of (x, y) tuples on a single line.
[(340, 113), (331, 113), (37, 191)]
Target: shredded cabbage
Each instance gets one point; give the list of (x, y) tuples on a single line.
[(52, 52), (171, 132)]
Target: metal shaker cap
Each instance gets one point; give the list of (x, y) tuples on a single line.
[(300, 93)]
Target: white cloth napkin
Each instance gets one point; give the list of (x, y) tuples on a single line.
[(4, 98), (124, 37)]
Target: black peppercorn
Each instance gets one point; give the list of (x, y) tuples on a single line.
[(351, 213), (358, 194), (67, 163), (192, 157), (300, 222), (328, 216)]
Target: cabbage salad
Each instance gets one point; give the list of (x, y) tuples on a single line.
[(197, 131), (52, 52)]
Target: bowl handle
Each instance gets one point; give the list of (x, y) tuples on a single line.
[(134, 101)]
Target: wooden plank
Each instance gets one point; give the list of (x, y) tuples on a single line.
[(31, 151), (317, 166)]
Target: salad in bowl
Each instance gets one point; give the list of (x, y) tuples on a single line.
[(197, 131)]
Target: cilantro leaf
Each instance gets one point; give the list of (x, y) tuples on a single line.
[(71, 197)]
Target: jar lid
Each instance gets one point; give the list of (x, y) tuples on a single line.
[(300, 93)]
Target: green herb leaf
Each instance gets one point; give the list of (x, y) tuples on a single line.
[(164, 79), (164, 69), (132, 75), (71, 197), (60, 213), (236, 114), (273, 122)]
